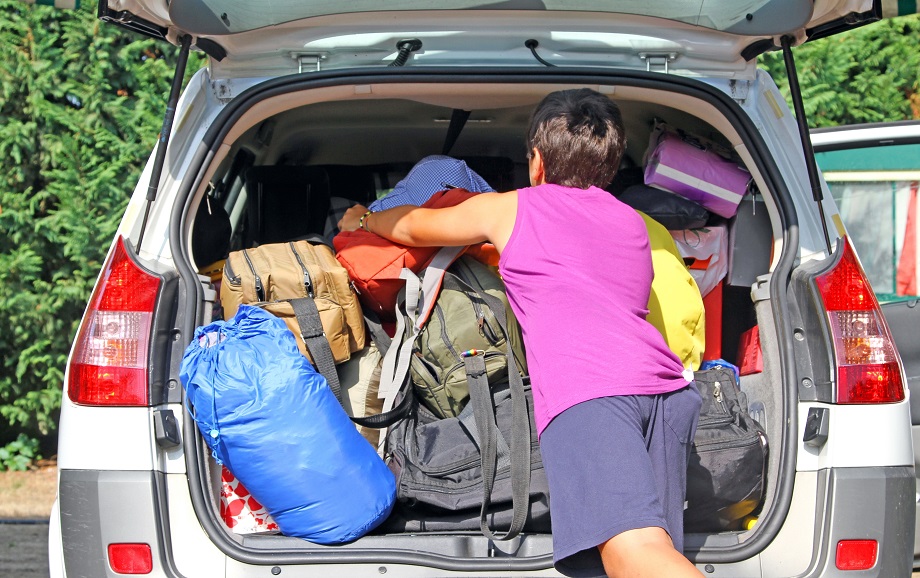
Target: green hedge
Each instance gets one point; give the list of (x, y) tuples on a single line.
[(80, 110), (869, 74)]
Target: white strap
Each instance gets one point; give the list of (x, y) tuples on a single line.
[(395, 364), (420, 296), (433, 277)]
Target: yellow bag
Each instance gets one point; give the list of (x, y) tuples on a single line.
[(675, 304)]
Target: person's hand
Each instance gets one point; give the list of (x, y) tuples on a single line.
[(351, 218)]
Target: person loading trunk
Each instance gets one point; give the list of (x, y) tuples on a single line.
[(614, 407)]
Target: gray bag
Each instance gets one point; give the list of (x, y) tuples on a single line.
[(478, 470)]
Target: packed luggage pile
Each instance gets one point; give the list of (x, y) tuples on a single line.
[(359, 386)]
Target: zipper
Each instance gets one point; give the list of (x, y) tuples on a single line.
[(231, 276), (307, 282), (440, 313), (485, 328), (425, 379), (487, 356), (260, 290), (714, 445), (465, 274), (464, 465), (724, 415)]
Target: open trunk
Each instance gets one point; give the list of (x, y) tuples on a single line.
[(362, 131), (344, 99)]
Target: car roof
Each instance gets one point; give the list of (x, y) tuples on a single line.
[(865, 134)]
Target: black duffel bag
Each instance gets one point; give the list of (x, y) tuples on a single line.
[(726, 474)]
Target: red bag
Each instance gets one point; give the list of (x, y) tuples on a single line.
[(374, 263)]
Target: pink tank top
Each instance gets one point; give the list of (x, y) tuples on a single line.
[(578, 271)]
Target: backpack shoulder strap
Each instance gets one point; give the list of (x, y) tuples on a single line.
[(488, 431)]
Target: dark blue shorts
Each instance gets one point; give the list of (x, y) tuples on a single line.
[(616, 464)]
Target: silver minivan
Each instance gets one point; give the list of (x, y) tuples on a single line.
[(343, 98)]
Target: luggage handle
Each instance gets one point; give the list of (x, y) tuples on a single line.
[(480, 396), (385, 419)]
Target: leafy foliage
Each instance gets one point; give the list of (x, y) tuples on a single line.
[(19, 453), (870, 74), (81, 105)]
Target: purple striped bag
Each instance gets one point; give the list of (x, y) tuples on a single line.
[(691, 169)]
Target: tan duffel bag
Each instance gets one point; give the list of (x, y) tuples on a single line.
[(308, 288)]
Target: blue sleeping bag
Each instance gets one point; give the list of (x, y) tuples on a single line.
[(275, 423)]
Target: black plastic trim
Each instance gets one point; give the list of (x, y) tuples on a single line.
[(211, 48), (755, 49), (768, 526), (849, 22), (128, 21)]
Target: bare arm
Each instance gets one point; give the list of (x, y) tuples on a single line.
[(485, 217)]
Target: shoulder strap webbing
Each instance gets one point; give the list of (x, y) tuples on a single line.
[(378, 334), (520, 431), (311, 331)]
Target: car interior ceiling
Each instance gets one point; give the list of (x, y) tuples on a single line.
[(358, 149)]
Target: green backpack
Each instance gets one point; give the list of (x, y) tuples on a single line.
[(461, 321)]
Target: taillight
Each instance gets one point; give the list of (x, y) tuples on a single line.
[(868, 370), (109, 361)]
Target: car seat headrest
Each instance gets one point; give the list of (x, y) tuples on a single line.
[(285, 203)]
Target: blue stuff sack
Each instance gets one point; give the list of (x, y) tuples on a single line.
[(274, 422)]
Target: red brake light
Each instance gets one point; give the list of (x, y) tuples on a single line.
[(130, 558), (109, 361), (868, 370), (856, 554)]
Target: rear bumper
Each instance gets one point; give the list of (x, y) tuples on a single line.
[(102, 507), (869, 503), (98, 508)]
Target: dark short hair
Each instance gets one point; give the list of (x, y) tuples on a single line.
[(580, 136)]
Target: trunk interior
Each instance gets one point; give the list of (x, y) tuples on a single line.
[(355, 142)]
